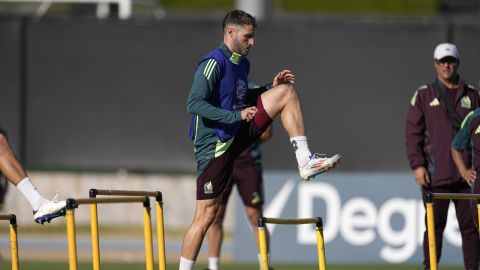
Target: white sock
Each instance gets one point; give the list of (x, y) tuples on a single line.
[(302, 152), (186, 264), (213, 263), (31, 193)]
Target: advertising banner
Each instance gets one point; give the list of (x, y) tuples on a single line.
[(367, 217)]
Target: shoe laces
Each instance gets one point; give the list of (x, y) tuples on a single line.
[(317, 156)]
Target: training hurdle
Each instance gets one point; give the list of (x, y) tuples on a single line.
[(159, 219), (263, 238), (72, 245), (13, 238), (431, 219)]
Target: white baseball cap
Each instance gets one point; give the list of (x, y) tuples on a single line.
[(444, 50)]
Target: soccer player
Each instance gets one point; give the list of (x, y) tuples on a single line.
[(223, 125), (43, 210)]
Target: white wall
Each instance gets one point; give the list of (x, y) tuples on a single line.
[(178, 197)]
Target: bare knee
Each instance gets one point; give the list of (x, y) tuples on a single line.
[(205, 214), (216, 224), (219, 216), (209, 217), (287, 91)]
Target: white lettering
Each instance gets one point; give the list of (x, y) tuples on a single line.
[(400, 222), (277, 204), (401, 243), (358, 221), (307, 194), (421, 222)]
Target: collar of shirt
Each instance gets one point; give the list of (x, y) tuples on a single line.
[(233, 56)]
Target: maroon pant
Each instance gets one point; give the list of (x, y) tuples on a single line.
[(467, 220)]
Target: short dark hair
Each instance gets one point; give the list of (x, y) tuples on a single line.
[(239, 17)]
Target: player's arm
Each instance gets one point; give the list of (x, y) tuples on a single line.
[(258, 90), (206, 77), (459, 143), (468, 175)]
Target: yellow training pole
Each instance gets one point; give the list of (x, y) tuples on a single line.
[(478, 214), (147, 224), (322, 265), (431, 232), (72, 245), (160, 236), (94, 235), (262, 238), (14, 243)]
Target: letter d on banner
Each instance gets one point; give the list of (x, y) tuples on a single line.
[(307, 194)]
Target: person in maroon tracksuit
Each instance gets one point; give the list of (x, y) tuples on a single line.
[(429, 131)]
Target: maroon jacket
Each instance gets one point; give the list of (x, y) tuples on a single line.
[(429, 133)]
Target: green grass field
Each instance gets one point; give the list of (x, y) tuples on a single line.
[(139, 266)]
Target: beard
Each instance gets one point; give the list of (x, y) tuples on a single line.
[(240, 49)]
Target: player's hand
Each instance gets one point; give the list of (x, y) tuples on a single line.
[(284, 76), (421, 176), (469, 176), (249, 113)]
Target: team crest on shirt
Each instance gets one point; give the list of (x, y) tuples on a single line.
[(466, 103), (208, 188)]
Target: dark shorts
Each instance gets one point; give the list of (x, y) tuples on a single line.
[(247, 176), (215, 177)]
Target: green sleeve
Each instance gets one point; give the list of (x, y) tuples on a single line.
[(205, 81), (463, 136), (259, 89)]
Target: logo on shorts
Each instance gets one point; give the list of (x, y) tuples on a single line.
[(208, 188), (256, 198)]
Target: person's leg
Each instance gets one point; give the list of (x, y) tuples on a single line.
[(215, 238), (253, 214), (248, 172), (283, 101), (215, 232), (44, 210), (440, 212), (468, 221), (9, 165), (205, 213)]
